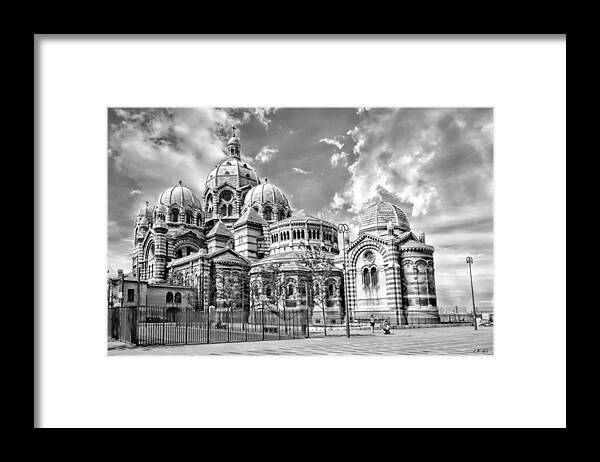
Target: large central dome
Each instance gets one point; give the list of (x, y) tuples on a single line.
[(233, 171), (375, 219)]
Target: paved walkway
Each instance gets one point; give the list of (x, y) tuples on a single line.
[(436, 341)]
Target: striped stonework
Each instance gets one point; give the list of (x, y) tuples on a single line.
[(398, 260)]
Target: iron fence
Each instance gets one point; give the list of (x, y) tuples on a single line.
[(176, 325), (169, 325), (409, 319)]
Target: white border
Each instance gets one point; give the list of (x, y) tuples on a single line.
[(523, 384)]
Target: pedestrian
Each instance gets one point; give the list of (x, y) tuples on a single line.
[(372, 322)]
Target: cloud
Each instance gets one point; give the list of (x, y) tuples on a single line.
[(135, 192), (337, 202), (421, 156), (243, 116), (266, 154), (300, 171), (336, 157), (182, 141), (260, 113), (333, 142)]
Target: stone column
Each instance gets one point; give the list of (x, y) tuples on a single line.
[(351, 290), (215, 208), (392, 281), (160, 253)]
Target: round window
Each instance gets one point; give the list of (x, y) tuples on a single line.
[(226, 196), (369, 256)]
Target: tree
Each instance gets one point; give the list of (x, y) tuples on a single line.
[(321, 271), (273, 276)]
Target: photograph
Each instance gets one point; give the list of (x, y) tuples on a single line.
[(300, 231), (248, 231)]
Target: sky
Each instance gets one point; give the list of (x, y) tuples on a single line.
[(434, 163)]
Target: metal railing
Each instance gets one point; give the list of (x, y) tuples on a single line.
[(176, 325), (169, 325)]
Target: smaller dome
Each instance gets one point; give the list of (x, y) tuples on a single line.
[(263, 193), (160, 208), (145, 211), (180, 195), (144, 222), (378, 218)]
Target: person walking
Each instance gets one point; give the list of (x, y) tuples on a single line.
[(372, 322)]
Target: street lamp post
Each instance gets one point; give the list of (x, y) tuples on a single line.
[(469, 262), (343, 227)]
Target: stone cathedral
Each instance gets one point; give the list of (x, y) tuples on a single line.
[(220, 249)]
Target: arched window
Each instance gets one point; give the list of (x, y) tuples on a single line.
[(255, 291), (374, 280), (269, 292), (209, 199), (294, 234), (229, 210), (177, 297), (188, 218), (174, 215), (331, 287), (169, 297), (179, 253), (317, 289), (302, 234), (151, 252), (366, 281), (223, 210), (268, 213), (198, 220), (290, 290)]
